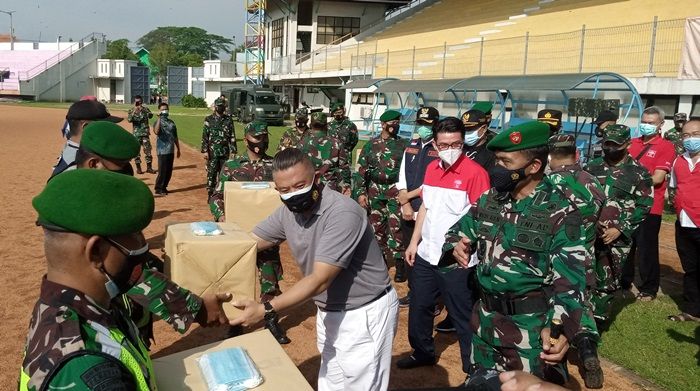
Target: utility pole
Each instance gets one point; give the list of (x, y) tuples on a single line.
[(12, 29)]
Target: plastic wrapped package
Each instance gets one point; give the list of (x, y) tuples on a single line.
[(205, 228), (229, 370)]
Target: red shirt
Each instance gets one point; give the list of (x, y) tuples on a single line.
[(659, 156)]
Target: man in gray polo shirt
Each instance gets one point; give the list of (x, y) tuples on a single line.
[(344, 272)]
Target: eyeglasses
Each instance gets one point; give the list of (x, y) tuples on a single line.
[(126, 251), (444, 147)]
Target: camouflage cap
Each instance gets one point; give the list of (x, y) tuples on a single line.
[(319, 118), (110, 141), (524, 136), (617, 133), (562, 141), (427, 115), (256, 128), (484, 107), (390, 115), (302, 112), (337, 106), (95, 202), (473, 119), (680, 117)]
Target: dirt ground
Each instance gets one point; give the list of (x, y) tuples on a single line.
[(31, 140)]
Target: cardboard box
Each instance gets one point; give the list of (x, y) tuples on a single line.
[(248, 207), (180, 371), (212, 264)]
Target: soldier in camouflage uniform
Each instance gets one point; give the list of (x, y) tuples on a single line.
[(218, 142), (674, 135), (628, 188), (374, 186), (292, 137), (78, 338), (342, 128), (139, 116), (327, 154), (256, 166), (528, 242)]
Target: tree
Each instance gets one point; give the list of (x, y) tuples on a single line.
[(187, 40), (119, 50), (162, 55)]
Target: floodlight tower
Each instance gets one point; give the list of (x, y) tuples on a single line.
[(255, 42)]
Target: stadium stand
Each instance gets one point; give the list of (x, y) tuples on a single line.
[(17, 62)]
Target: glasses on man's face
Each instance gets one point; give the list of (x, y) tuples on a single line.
[(444, 147), (689, 135)]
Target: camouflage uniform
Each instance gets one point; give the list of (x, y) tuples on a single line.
[(328, 155), (141, 132), (376, 178), (674, 135), (219, 142), (628, 188), (345, 131), (291, 138), (72, 339), (242, 169), (531, 255)]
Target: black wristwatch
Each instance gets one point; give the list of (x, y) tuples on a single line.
[(269, 310)]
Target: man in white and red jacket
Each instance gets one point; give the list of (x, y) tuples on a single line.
[(685, 178)]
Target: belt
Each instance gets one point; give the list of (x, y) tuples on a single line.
[(515, 305), (379, 296)]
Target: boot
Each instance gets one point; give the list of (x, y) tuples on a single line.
[(138, 168), (400, 275), (272, 324), (588, 354), (149, 169)]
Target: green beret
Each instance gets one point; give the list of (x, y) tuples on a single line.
[(95, 202), (109, 140), (484, 107), (337, 106), (524, 136), (256, 128), (619, 134), (319, 118), (390, 115)]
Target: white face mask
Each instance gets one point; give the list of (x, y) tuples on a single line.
[(305, 190), (450, 156)]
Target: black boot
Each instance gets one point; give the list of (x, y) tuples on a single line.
[(272, 324), (149, 169), (400, 275), (138, 168), (588, 354)]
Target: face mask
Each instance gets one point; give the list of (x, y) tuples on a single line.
[(302, 200), (471, 138), (258, 148), (505, 180), (300, 124), (220, 110), (450, 156), (164, 112), (123, 281), (425, 132), (137, 103), (613, 154), (392, 129), (599, 132), (647, 129), (692, 144), (126, 170), (338, 117)]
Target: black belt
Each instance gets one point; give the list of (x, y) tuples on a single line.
[(379, 296), (515, 305)]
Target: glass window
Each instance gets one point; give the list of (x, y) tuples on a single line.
[(331, 29), (266, 99), (277, 33)]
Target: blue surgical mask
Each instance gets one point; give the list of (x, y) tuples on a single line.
[(692, 144), (647, 129), (425, 132), (471, 138)]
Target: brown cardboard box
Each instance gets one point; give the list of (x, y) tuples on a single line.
[(248, 207), (180, 371), (212, 264)]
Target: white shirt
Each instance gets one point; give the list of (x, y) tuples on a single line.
[(683, 218)]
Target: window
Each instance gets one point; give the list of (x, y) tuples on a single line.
[(277, 33), (695, 112), (333, 28), (266, 99), (363, 98), (669, 103)]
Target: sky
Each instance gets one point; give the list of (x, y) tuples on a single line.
[(45, 20)]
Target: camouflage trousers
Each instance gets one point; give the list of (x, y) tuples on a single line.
[(214, 165), (608, 270), (145, 142), (508, 343), (270, 269), (386, 222)]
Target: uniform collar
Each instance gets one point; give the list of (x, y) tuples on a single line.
[(57, 295)]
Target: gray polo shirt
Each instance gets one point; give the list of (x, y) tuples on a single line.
[(337, 233)]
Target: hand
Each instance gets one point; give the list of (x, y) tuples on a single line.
[(403, 197), (205, 155), (362, 200), (523, 381), (177, 154), (553, 354), (610, 235), (462, 252), (253, 312), (407, 211), (410, 254), (221, 219), (212, 311)]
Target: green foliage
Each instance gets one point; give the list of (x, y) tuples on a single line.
[(192, 101), (162, 55), (187, 40), (191, 60), (119, 50)]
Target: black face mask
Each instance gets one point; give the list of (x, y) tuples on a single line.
[(613, 154), (599, 132), (258, 148), (126, 170), (505, 180), (339, 117), (302, 201)]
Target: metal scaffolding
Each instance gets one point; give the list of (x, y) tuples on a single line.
[(255, 42)]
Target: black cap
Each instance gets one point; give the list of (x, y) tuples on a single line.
[(474, 119), (90, 110), (605, 116), (427, 115)]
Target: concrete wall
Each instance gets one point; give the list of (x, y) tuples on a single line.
[(41, 45)]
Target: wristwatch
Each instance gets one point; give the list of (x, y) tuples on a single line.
[(269, 310)]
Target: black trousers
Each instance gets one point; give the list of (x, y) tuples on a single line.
[(688, 246), (407, 227), (427, 283), (165, 172), (646, 245)]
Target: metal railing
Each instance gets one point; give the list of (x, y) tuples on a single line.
[(643, 49), (60, 56)]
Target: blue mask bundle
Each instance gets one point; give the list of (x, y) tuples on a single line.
[(205, 228), (229, 370)]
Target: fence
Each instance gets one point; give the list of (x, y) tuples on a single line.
[(62, 55), (634, 50)]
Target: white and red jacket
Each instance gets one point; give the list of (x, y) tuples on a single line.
[(685, 177)]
